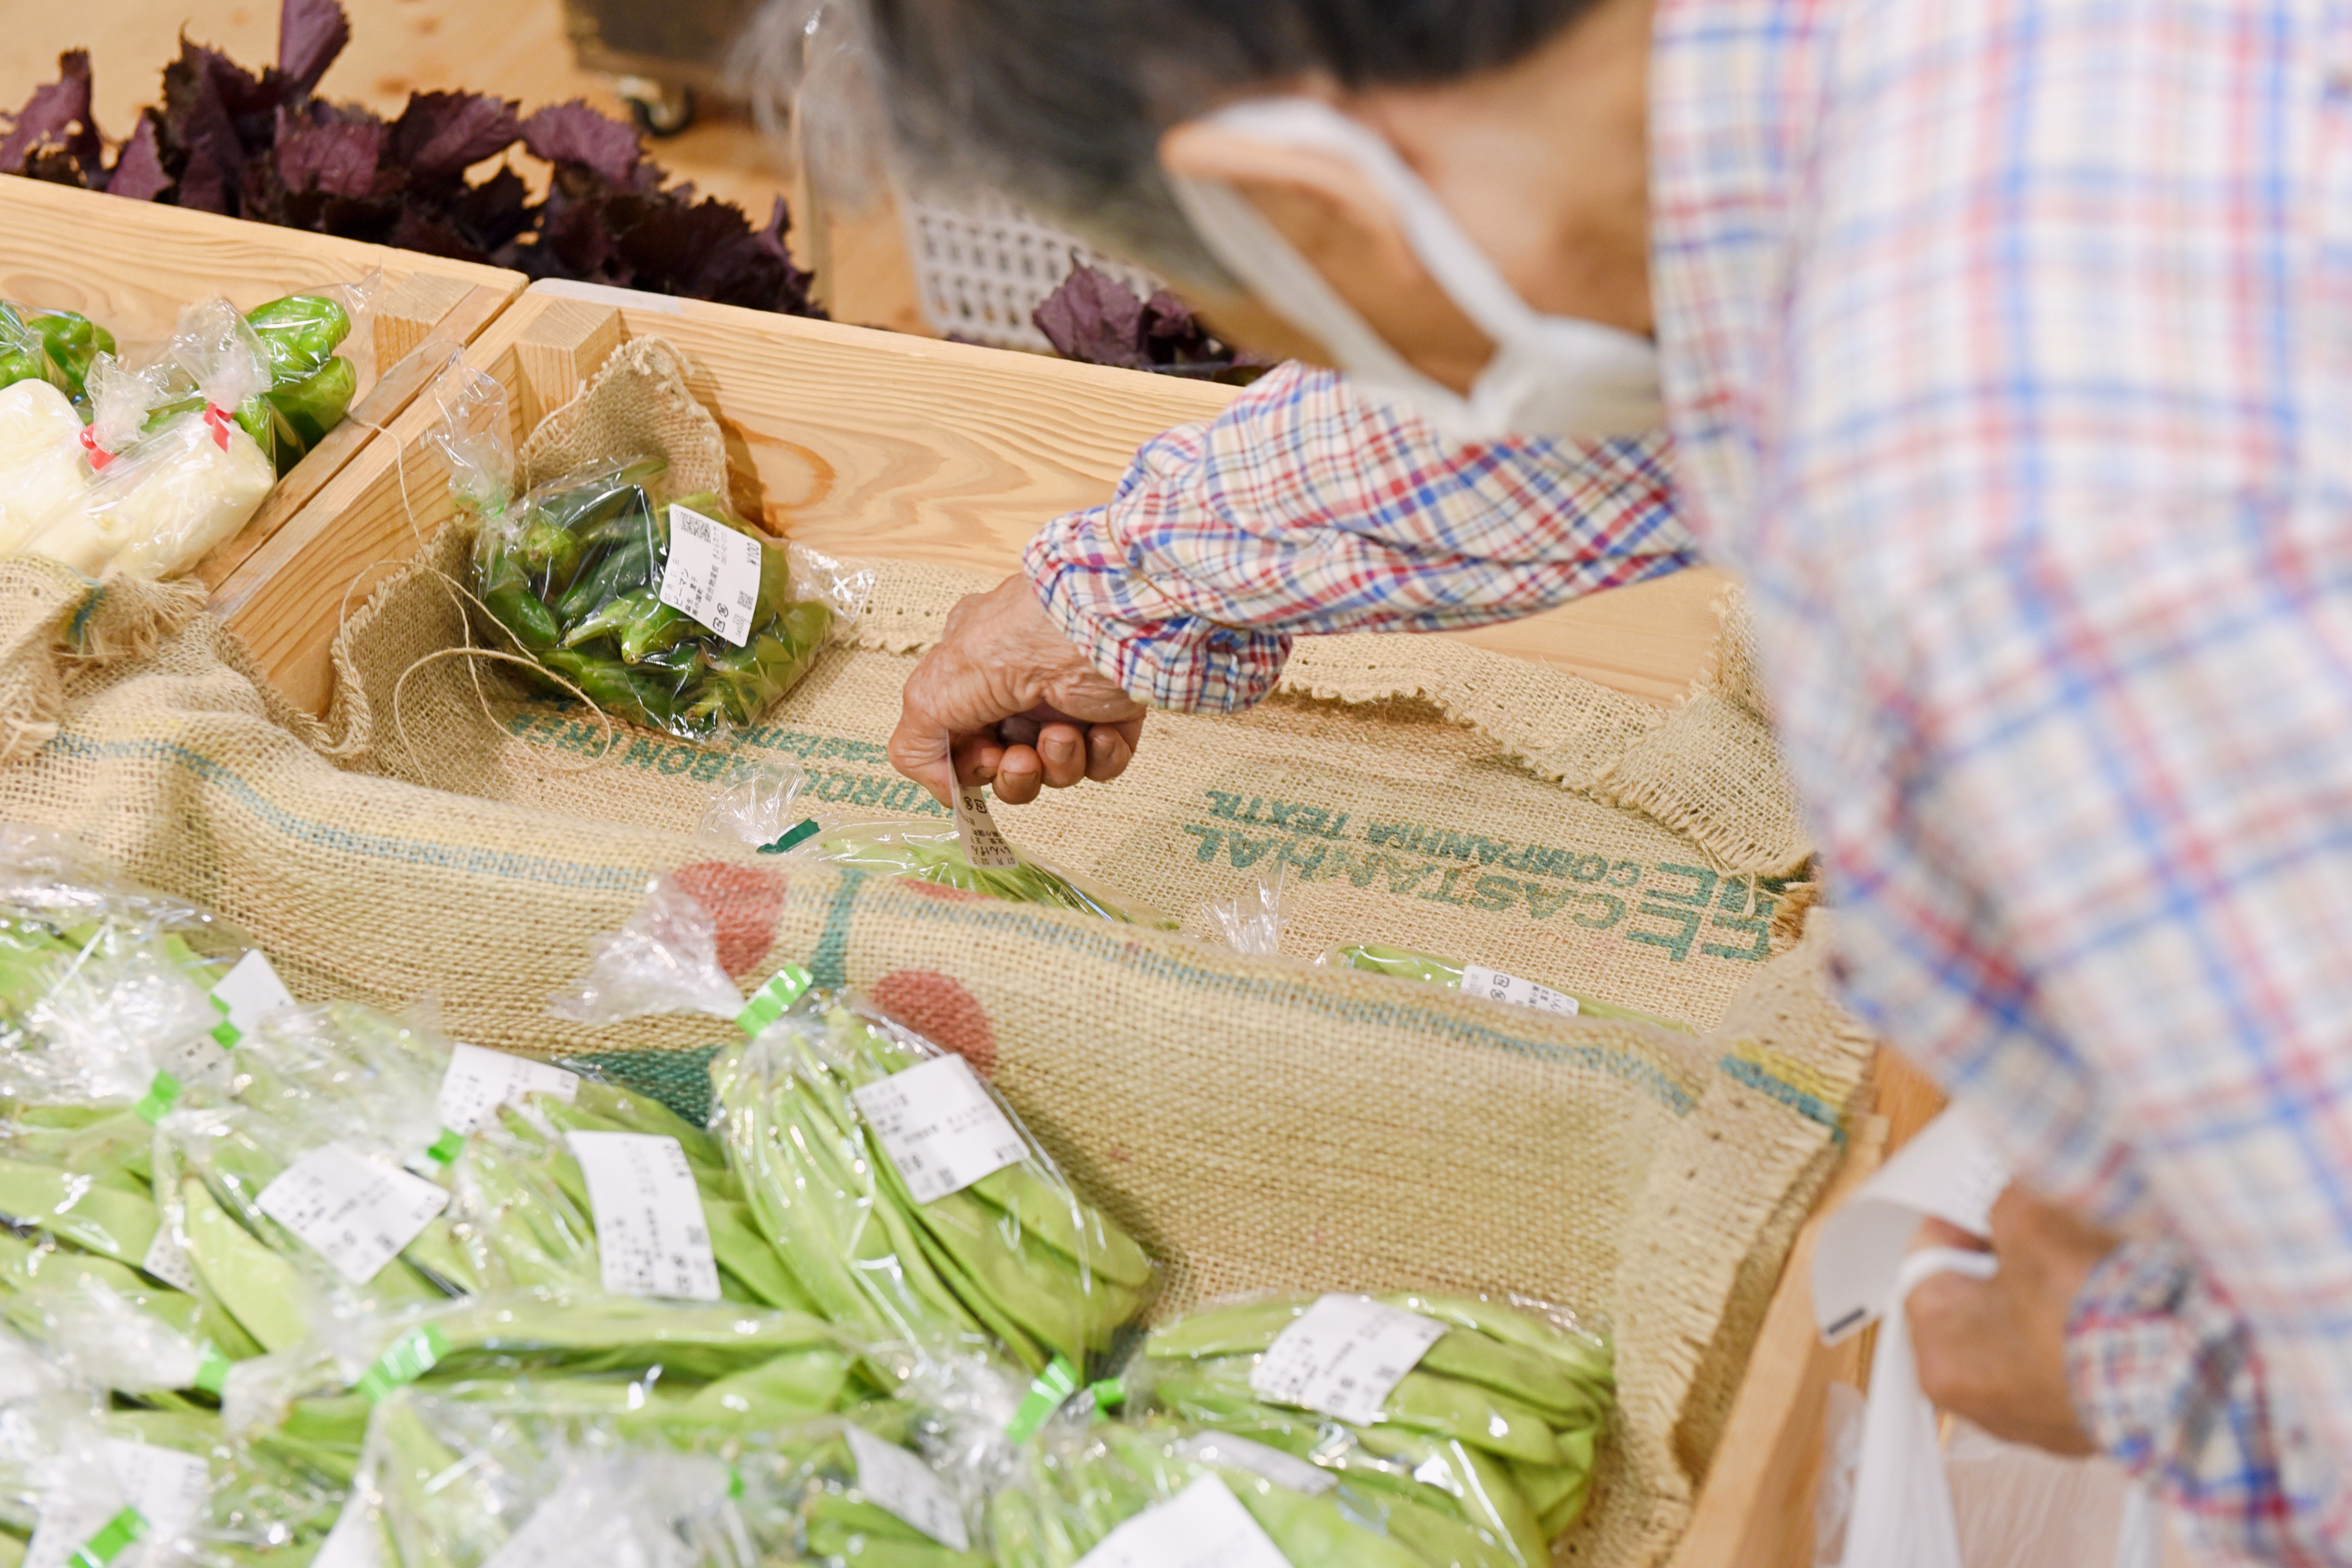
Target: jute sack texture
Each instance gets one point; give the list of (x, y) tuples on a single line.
[(1258, 1124), (1410, 791)]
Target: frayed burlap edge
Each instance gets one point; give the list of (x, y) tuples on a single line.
[(637, 406), (1706, 767), (73, 623)]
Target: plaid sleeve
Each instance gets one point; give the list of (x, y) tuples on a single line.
[(2167, 1381), (1306, 508)]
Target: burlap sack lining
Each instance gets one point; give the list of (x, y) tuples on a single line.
[(179, 765), (58, 622), (1706, 767)]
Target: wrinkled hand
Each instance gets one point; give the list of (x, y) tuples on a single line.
[(1994, 1351), (1006, 699)]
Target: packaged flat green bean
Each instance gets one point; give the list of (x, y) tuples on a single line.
[(1408, 964), (1488, 1411), (932, 853)]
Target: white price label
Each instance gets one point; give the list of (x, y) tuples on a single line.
[(898, 1482), (939, 1127), (357, 1213), (651, 1233), (712, 575), (356, 1542), (1203, 1526), (1344, 1356), (984, 844), (251, 991), (167, 1261), (1285, 1470), (1496, 986), (479, 1082)]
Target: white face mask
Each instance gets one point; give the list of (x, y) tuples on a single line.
[(1551, 376)]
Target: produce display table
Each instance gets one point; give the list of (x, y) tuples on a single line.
[(130, 266)]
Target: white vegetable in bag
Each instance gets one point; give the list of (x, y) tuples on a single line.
[(41, 465), (166, 501)]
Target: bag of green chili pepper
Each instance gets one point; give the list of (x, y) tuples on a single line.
[(665, 611), (1408, 964), (55, 346), (1486, 1411)]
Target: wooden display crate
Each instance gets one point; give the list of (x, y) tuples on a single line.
[(129, 266), (874, 444), (858, 442)]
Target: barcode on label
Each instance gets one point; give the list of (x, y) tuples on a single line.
[(712, 575), (939, 1127)]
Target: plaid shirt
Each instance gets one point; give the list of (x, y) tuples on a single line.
[(2008, 348)]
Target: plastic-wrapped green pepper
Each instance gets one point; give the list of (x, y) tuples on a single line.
[(299, 333), (55, 346)]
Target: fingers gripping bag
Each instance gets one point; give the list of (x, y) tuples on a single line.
[(1489, 1413), (900, 1190), (164, 502), (667, 612)]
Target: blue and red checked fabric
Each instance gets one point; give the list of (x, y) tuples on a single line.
[(2008, 348), (1304, 507)]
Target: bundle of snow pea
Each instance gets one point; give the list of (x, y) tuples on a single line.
[(150, 1487), (310, 386), (1410, 963), (356, 1162), (113, 1327), (459, 1476), (901, 1192), (1228, 1500), (1476, 1409), (51, 346), (933, 853)]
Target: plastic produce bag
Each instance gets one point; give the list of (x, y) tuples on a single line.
[(167, 499), (1486, 1411), (1223, 1499), (670, 613), (52, 347), (527, 1474), (1408, 964), (933, 853), (902, 1193), (308, 386)]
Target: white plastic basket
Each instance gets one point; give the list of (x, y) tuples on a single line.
[(982, 268)]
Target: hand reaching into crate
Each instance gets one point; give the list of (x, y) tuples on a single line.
[(1006, 699)]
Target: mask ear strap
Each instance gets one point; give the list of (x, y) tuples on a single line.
[(1455, 262), (1256, 252)]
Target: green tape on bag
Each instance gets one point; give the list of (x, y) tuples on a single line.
[(1048, 1393), (225, 1035), (774, 1000), (1108, 1396), (212, 1370), (107, 1545), (157, 1102), (405, 1359), (800, 833), (445, 1149)]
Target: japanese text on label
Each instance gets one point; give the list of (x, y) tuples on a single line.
[(357, 1214), (1344, 1356), (479, 1082), (1497, 986), (651, 1233), (894, 1480), (984, 844), (939, 1126)]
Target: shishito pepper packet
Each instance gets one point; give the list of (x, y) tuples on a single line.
[(665, 611)]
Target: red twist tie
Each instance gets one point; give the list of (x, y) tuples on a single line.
[(99, 456), (218, 418)]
